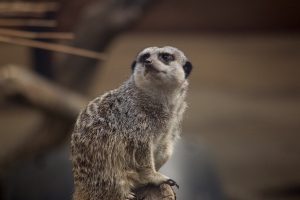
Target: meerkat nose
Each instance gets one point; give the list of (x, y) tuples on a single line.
[(148, 62)]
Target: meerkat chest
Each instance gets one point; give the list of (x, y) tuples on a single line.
[(173, 124)]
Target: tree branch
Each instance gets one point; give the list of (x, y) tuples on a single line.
[(37, 35), (60, 106), (28, 22), (39, 92), (53, 47)]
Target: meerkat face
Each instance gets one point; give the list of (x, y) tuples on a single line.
[(165, 67)]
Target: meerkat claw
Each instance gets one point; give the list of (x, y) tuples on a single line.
[(131, 196), (171, 182)]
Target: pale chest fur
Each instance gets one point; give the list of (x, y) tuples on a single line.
[(177, 107)]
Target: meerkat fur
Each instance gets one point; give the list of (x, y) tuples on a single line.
[(122, 138)]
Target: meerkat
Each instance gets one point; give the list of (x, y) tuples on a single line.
[(122, 138)]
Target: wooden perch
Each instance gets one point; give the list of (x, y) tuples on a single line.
[(150, 192), (28, 22), (53, 47), (37, 35)]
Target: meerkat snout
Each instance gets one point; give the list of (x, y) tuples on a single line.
[(148, 64)]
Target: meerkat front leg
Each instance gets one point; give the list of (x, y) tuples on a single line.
[(162, 154), (147, 174)]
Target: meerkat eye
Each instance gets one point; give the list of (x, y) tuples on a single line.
[(166, 57)]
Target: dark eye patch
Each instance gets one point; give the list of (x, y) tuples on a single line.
[(144, 57), (166, 57), (187, 67), (133, 65)]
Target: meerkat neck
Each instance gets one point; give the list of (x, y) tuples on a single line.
[(167, 96)]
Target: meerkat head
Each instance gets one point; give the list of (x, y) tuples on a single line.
[(163, 68)]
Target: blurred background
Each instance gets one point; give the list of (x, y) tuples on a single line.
[(241, 133)]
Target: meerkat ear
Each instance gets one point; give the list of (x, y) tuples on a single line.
[(133, 65), (187, 67)]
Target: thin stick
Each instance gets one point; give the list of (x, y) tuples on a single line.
[(53, 47), (8, 14), (37, 35), (28, 22), (33, 7)]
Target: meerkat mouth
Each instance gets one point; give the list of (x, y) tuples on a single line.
[(152, 69)]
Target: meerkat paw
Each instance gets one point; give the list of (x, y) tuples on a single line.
[(131, 196), (171, 182), (157, 179)]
